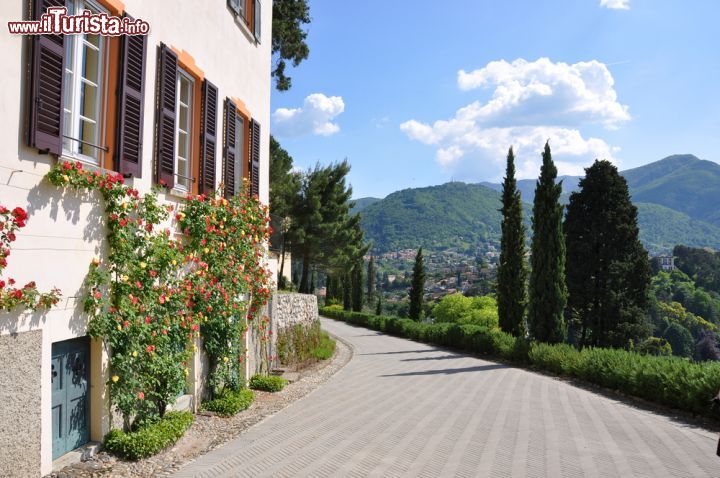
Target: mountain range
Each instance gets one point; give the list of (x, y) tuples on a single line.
[(677, 199)]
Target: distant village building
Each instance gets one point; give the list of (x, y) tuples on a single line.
[(667, 263)]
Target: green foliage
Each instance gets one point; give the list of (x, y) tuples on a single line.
[(288, 38), (702, 265), (230, 402), (417, 289), (323, 233), (356, 278), (681, 182), (299, 344), (670, 381), (655, 346), (547, 292), (371, 280), (437, 217), (608, 274), (661, 228), (512, 272), (153, 294), (267, 383), (325, 350), (457, 308), (151, 439), (680, 340)]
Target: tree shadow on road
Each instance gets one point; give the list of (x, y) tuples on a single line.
[(450, 371), (440, 357)]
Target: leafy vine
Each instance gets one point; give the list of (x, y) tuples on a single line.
[(155, 294)]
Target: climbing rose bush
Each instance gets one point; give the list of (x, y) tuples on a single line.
[(228, 279), (28, 296), (154, 295)]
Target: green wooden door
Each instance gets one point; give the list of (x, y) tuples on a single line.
[(69, 375)]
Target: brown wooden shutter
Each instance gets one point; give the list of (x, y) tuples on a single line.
[(128, 156), (167, 84), (229, 148), (47, 86), (257, 16), (255, 158), (208, 138)]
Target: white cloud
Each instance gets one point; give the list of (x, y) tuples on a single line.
[(616, 4), (543, 92), (531, 102), (314, 117)]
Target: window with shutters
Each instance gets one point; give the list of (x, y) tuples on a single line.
[(249, 14), (83, 90), (183, 130), (239, 152)]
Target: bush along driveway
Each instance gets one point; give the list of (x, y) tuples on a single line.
[(403, 408)]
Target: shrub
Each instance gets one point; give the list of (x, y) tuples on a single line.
[(151, 439), (230, 402), (467, 311), (326, 348), (561, 359), (681, 340), (300, 344), (267, 383), (655, 346)]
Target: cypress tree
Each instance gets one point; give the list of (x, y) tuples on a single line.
[(512, 273), (417, 288), (346, 291), (547, 289), (329, 289), (378, 307), (608, 272), (357, 287), (371, 279), (312, 283)]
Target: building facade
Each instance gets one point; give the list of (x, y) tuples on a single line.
[(187, 104)]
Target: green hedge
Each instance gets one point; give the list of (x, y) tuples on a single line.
[(672, 381), (268, 383), (230, 402), (151, 439)]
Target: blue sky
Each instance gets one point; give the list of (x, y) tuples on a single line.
[(417, 93)]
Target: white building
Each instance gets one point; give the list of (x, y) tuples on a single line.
[(188, 103)]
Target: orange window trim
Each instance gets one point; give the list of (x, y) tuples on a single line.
[(115, 7), (187, 63), (107, 160), (243, 111)]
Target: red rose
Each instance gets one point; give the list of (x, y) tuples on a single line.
[(67, 165), (18, 294), (141, 396)]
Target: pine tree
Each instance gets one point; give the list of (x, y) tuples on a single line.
[(371, 279), (608, 272), (417, 289), (357, 286), (547, 288), (512, 273), (312, 282)]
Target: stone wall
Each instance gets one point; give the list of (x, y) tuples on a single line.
[(290, 309), (20, 391)]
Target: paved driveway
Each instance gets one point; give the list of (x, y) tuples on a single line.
[(401, 408)]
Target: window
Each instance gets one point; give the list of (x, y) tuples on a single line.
[(239, 7), (84, 74), (183, 130), (239, 152)]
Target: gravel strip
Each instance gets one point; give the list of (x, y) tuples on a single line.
[(208, 431)]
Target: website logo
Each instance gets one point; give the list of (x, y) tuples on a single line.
[(56, 21)]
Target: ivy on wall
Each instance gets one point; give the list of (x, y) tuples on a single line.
[(154, 294)]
